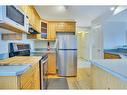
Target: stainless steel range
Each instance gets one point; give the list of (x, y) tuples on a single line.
[(19, 49)]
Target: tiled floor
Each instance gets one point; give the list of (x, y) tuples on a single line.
[(83, 79), (82, 63)]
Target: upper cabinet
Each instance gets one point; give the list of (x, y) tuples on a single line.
[(44, 29), (59, 26), (34, 18), (51, 30), (65, 26)]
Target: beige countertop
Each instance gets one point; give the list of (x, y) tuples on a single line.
[(21, 60)]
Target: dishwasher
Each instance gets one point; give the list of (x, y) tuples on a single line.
[(43, 65)]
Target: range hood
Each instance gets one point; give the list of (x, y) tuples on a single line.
[(32, 30)]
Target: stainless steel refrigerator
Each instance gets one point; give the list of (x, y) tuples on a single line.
[(67, 55)]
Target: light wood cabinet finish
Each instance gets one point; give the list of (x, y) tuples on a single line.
[(51, 63), (104, 80), (9, 82), (99, 78), (28, 80), (111, 56), (56, 26), (11, 36), (51, 30), (65, 27), (34, 18)]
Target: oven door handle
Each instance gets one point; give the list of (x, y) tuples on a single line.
[(44, 61)]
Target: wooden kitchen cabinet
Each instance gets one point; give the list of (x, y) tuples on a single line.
[(52, 63), (34, 18), (111, 56), (99, 78), (28, 80), (65, 26), (59, 26), (55, 26), (31, 78), (11, 36), (51, 31), (102, 79)]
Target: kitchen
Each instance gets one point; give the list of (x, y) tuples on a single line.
[(39, 48)]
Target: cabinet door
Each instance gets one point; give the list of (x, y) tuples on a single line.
[(60, 27), (51, 31), (116, 83), (70, 27), (99, 78), (65, 27), (38, 23), (31, 78), (51, 63), (27, 79), (34, 18), (36, 77)]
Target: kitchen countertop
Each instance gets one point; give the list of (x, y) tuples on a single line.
[(116, 67), (24, 63), (44, 50), (13, 70)]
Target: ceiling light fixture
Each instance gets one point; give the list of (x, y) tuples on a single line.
[(112, 8), (79, 32), (61, 8), (119, 9)]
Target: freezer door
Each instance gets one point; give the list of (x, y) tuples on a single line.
[(67, 62), (67, 42)]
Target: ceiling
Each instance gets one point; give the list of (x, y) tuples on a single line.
[(121, 17), (83, 15)]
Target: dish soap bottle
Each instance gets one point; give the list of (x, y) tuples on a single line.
[(48, 44)]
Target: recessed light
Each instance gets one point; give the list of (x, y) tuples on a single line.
[(79, 32), (112, 8), (61, 8)]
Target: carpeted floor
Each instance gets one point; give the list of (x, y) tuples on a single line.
[(57, 84)]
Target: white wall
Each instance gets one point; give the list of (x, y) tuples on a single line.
[(43, 44), (4, 43), (126, 33), (114, 34), (83, 42)]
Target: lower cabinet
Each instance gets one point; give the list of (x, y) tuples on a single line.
[(111, 56), (99, 78), (51, 63), (28, 80), (104, 80)]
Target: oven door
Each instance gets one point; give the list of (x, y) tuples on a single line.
[(44, 73)]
